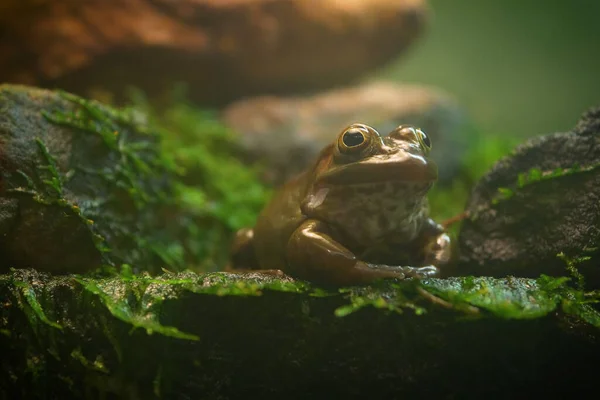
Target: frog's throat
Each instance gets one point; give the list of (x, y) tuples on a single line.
[(368, 212), (399, 191)]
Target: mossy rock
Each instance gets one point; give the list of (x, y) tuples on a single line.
[(84, 185), (541, 200), (225, 335)]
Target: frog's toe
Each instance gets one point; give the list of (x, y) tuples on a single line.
[(428, 271)]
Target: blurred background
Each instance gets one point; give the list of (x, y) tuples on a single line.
[(515, 67), (518, 67)]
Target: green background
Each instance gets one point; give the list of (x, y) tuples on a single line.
[(517, 67)]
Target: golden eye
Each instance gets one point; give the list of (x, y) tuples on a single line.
[(412, 134), (424, 139), (353, 139)]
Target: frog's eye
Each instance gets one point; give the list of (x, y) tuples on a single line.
[(412, 134), (424, 139), (354, 138)]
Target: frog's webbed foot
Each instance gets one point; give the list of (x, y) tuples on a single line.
[(403, 272), (428, 271), (313, 254)]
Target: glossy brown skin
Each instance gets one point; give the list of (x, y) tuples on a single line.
[(358, 215)]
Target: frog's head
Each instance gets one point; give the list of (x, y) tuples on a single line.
[(382, 181), (361, 155)]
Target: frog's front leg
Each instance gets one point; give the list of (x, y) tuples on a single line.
[(313, 254)]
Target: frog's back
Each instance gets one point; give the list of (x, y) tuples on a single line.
[(277, 222)]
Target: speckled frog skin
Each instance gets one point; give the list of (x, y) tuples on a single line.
[(358, 215)]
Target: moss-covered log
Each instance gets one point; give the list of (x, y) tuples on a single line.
[(219, 335)]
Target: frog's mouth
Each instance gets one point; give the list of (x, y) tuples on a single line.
[(407, 168)]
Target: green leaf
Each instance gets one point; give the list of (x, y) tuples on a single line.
[(505, 298), (121, 310), (29, 293)]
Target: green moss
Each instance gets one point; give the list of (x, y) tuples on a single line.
[(142, 317), (158, 333), (152, 190), (571, 265), (52, 190), (222, 194), (118, 192), (96, 365), (55, 181), (535, 175), (508, 298), (51, 193), (207, 154), (371, 297), (138, 300), (31, 306), (139, 162), (575, 302)]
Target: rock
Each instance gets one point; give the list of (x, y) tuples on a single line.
[(83, 185), (221, 49), (550, 203), (287, 133), (227, 336)]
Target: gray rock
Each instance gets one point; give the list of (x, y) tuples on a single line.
[(287, 133), (553, 207)]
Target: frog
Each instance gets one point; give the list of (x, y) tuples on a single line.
[(359, 214)]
